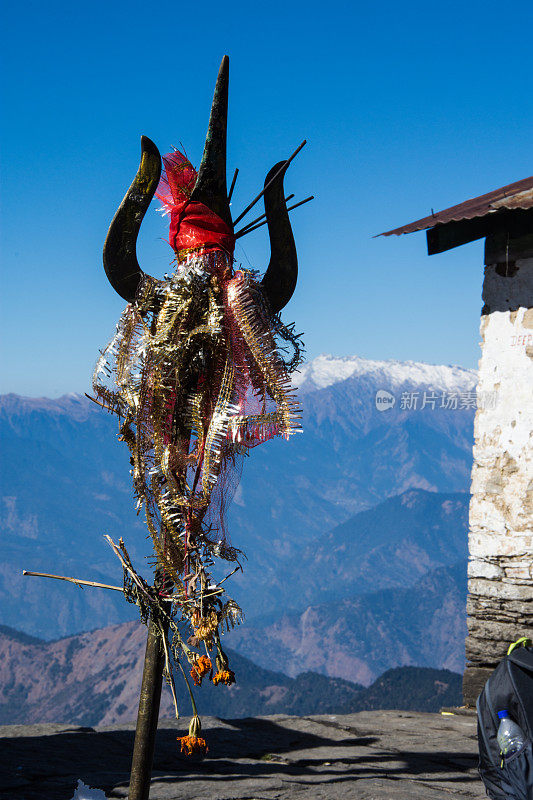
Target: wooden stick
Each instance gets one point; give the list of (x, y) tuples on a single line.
[(193, 599), (244, 231), (232, 187), (233, 571), (133, 576), (307, 199), (271, 181), (77, 581), (170, 677), (257, 219)]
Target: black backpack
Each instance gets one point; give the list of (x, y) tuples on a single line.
[(509, 687)]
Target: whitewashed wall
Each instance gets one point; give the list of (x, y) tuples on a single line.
[(500, 602)]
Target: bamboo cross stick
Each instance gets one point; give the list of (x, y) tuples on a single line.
[(77, 581)]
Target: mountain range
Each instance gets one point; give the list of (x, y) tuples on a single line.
[(94, 679), (390, 545), (367, 501), (360, 637)]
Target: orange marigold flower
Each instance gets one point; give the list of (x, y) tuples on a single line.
[(224, 676), (201, 667), (193, 745)]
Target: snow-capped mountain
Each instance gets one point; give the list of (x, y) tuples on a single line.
[(326, 370), (66, 482)]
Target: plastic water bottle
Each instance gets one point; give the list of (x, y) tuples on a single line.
[(510, 735)]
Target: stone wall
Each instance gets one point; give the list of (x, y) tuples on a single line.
[(500, 600)]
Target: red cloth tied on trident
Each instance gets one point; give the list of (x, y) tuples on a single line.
[(193, 225), (259, 405)]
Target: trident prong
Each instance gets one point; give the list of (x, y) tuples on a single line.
[(120, 256)]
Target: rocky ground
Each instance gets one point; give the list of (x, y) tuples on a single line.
[(371, 755)]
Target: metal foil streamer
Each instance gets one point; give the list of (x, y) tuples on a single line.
[(195, 374)]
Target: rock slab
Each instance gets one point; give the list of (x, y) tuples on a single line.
[(371, 755)]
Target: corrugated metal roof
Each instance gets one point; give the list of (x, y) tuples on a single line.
[(517, 195)]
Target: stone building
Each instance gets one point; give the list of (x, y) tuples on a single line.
[(500, 541)]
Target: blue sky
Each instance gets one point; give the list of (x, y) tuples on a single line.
[(406, 107)]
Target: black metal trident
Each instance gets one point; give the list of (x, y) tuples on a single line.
[(120, 258), (125, 274)]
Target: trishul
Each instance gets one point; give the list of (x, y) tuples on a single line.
[(203, 406), (120, 259)]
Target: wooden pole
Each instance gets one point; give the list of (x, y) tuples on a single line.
[(148, 714), (150, 697)]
